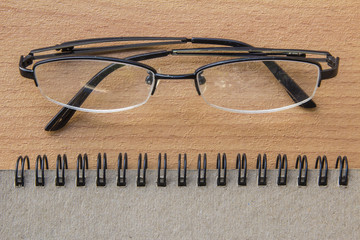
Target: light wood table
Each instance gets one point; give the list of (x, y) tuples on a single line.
[(176, 119)]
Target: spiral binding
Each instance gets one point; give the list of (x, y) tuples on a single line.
[(40, 181), (241, 163), (303, 169), (19, 180), (101, 181), (121, 180), (161, 180), (182, 178), (323, 172), (221, 179), (343, 177), (82, 163), (281, 164), (141, 180), (61, 163), (221, 166), (262, 169), (201, 178)]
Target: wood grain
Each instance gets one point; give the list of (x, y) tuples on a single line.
[(176, 120)]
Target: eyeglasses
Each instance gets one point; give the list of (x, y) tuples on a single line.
[(254, 80)]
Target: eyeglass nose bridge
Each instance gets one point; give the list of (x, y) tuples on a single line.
[(175, 77), (159, 76)]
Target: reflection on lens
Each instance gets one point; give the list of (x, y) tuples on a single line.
[(95, 85), (258, 85)]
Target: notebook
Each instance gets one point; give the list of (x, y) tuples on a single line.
[(222, 203)]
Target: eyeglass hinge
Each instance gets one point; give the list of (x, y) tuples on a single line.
[(23, 63), (331, 61), (27, 60)]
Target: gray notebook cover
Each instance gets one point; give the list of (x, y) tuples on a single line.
[(172, 212)]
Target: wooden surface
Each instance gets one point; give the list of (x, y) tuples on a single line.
[(176, 119)]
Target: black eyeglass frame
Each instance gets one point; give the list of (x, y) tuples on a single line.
[(241, 51)]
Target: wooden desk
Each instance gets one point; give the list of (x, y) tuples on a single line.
[(176, 119)]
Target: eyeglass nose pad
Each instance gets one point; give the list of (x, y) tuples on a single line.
[(149, 78), (201, 79)]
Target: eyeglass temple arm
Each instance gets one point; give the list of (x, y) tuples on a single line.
[(68, 48), (333, 63), (65, 114), (292, 88)]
